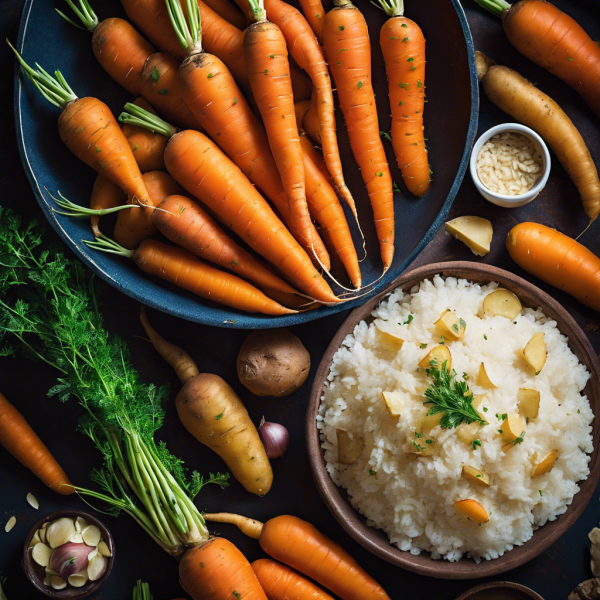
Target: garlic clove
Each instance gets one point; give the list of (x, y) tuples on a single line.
[(42, 534), (44, 525), (47, 580), (80, 524), (96, 567), (70, 558), (49, 571), (59, 532), (41, 554), (10, 524), (35, 539), (33, 501), (104, 549), (76, 538), (91, 535), (93, 554), (58, 583), (78, 579)]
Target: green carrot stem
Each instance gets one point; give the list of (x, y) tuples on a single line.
[(141, 591), (392, 8), (496, 7), (136, 115), (257, 10), (105, 244), (81, 212), (189, 33), (84, 13), (55, 89)]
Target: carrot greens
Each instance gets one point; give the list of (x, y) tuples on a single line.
[(49, 312)]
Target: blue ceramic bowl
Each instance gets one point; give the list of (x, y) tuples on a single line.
[(450, 121)]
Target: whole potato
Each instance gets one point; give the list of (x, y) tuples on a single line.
[(273, 362)]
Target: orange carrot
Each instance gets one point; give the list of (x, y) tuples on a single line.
[(147, 146), (91, 132), (303, 547), (217, 570), (556, 259), (403, 47), (308, 55), (301, 83), (187, 271), (159, 86), (300, 109), (310, 121), (135, 225), (348, 52), (268, 70), (119, 48), (553, 40), (22, 442), (205, 172), (228, 11), (105, 194), (314, 13), (182, 221), (282, 583)]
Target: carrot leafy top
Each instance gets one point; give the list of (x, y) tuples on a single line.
[(392, 8), (84, 12), (189, 33), (257, 10)]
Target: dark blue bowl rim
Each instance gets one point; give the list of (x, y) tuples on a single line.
[(242, 320)]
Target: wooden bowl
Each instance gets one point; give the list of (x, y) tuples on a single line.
[(500, 590), (375, 540), (35, 573)]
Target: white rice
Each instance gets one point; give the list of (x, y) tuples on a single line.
[(411, 497)]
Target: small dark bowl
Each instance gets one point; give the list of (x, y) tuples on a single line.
[(499, 590), (375, 540), (36, 574)]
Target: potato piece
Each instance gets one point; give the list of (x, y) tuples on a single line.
[(545, 464), (451, 324), (349, 448), (529, 402), (534, 352), (212, 412), (476, 475), (475, 232), (483, 379), (429, 422), (438, 355), (389, 341), (473, 510), (273, 362), (421, 445), (501, 303), (467, 434), (394, 403), (511, 428)]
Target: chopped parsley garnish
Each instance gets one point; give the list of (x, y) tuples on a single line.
[(475, 443), (503, 416), (163, 92), (395, 188), (235, 100), (443, 341), (218, 417), (484, 336), (541, 493), (408, 320), (423, 346), (372, 472), (500, 431), (404, 86), (455, 327), (386, 135), (342, 27), (418, 435), (519, 439), (404, 25), (419, 84), (485, 409), (462, 323), (237, 594), (271, 56), (428, 442), (155, 75), (410, 59)]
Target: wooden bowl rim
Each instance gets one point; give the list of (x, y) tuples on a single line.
[(68, 592), (498, 585), (375, 540)]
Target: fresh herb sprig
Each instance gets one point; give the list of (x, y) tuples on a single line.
[(451, 397), (48, 311)]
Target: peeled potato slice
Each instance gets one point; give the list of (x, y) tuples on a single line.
[(546, 464), (451, 324), (501, 303), (529, 402), (467, 434), (476, 475), (393, 403), (349, 448), (483, 379), (41, 554), (475, 232), (473, 510), (423, 446), (512, 428), (438, 355), (429, 422), (389, 341), (534, 352)]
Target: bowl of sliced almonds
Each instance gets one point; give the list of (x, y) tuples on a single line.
[(68, 554)]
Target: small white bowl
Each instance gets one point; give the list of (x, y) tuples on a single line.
[(503, 199)]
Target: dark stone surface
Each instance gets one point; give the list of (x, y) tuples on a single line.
[(553, 574)]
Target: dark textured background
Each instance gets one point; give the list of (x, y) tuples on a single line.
[(553, 574)]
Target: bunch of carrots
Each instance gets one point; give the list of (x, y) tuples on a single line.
[(215, 153)]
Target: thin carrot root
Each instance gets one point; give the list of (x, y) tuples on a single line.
[(247, 526)]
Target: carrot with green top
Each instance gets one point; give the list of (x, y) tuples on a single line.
[(403, 47), (348, 52)]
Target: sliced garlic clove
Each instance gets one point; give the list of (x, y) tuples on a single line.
[(49, 571), (93, 554), (35, 539), (78, 579), (10, 524), (76, 538), (47, 580), (91, 535), (59, 532), (58, 583), (80, 524), (41, 554), (33, 501), (42, 533), (44, 525), (104, 550), (96, 567)]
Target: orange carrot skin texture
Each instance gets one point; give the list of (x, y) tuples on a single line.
[(268, 71), (303, 547), (301, 83), (121, 51), (229, 12), (556, 42), (105, 194), (326, 209), (182, 221), (403, 47), (300, 109), (134, 225), (282, 583), (348, 52), (148, 148), (314, 13), (92, 133), (310, 121), (187, 271), (160, 87), (309, 56), (206, 173), (217, 569), (556, 259), (17, 436), (219, 105)]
